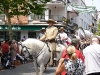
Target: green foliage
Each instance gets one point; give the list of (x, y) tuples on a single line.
[(67, 21), (98, 31), (22, 7)]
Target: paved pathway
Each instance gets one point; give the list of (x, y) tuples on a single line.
[(26, 69)]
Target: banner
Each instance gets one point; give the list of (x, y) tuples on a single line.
[(78, 8)]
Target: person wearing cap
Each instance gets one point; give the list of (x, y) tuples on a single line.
[(63, 36), (92, 57), (72, 65), (41, 33), (75, 42), (49, 36)]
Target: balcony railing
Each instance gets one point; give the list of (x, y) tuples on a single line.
[(58, 18), (58, 1)]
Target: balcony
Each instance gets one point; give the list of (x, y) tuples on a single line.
[(44, 18), (57, 3)]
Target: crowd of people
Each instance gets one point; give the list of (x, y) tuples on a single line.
[(10, 54), (79, 57)]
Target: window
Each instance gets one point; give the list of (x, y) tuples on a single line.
[(37, 17), (17, 35), (2, 17), (31, 34), (2, 35)]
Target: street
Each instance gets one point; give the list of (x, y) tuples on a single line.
[(26, 69)]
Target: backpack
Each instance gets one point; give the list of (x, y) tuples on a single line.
[(74, 68)]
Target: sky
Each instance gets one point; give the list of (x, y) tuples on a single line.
[(93, 3)]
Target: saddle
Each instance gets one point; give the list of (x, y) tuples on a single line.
[(58, 48)]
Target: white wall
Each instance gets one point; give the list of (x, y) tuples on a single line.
[(83, 19), (24, 33), (58, 11), (46, 14)]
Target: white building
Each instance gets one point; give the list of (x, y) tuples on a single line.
[(83, 19), (57, 10), (98, 15)]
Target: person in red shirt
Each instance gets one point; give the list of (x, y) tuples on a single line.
[(75, 42), (5, 47)]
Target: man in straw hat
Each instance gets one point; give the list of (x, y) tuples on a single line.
[(63, 36), (41, 33), (49, 36)]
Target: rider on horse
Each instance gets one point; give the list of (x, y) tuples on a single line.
[(49, 36)]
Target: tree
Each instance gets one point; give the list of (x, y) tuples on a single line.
[(13, 8), (98, 30)]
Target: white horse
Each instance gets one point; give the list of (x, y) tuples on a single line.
[(40, 52)]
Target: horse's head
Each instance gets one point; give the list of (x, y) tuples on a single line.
[(23, 49)]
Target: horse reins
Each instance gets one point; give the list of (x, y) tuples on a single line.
[(30, 56)]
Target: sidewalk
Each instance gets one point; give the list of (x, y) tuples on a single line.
[(17, 63)]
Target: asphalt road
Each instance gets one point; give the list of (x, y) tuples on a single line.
[(26, 69)]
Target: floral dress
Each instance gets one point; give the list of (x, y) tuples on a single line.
[(74, 68)]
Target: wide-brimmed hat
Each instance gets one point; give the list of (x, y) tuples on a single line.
[(51, 21), (62, 28)]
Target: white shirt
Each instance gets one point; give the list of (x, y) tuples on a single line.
[(92, 58), (63, 35), (40, 35)]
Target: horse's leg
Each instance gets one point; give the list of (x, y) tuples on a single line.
[(41, 69), (36, 67), (51, 59)]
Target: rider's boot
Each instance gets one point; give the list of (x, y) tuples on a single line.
[(51, 60), (55, 59)]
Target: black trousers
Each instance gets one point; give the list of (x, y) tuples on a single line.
[(97, 73)]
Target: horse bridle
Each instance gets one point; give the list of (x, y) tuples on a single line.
[(30, 56)]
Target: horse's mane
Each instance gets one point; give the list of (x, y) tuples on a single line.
[(33, 43)]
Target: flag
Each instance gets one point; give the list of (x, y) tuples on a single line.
[(78, 8)]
